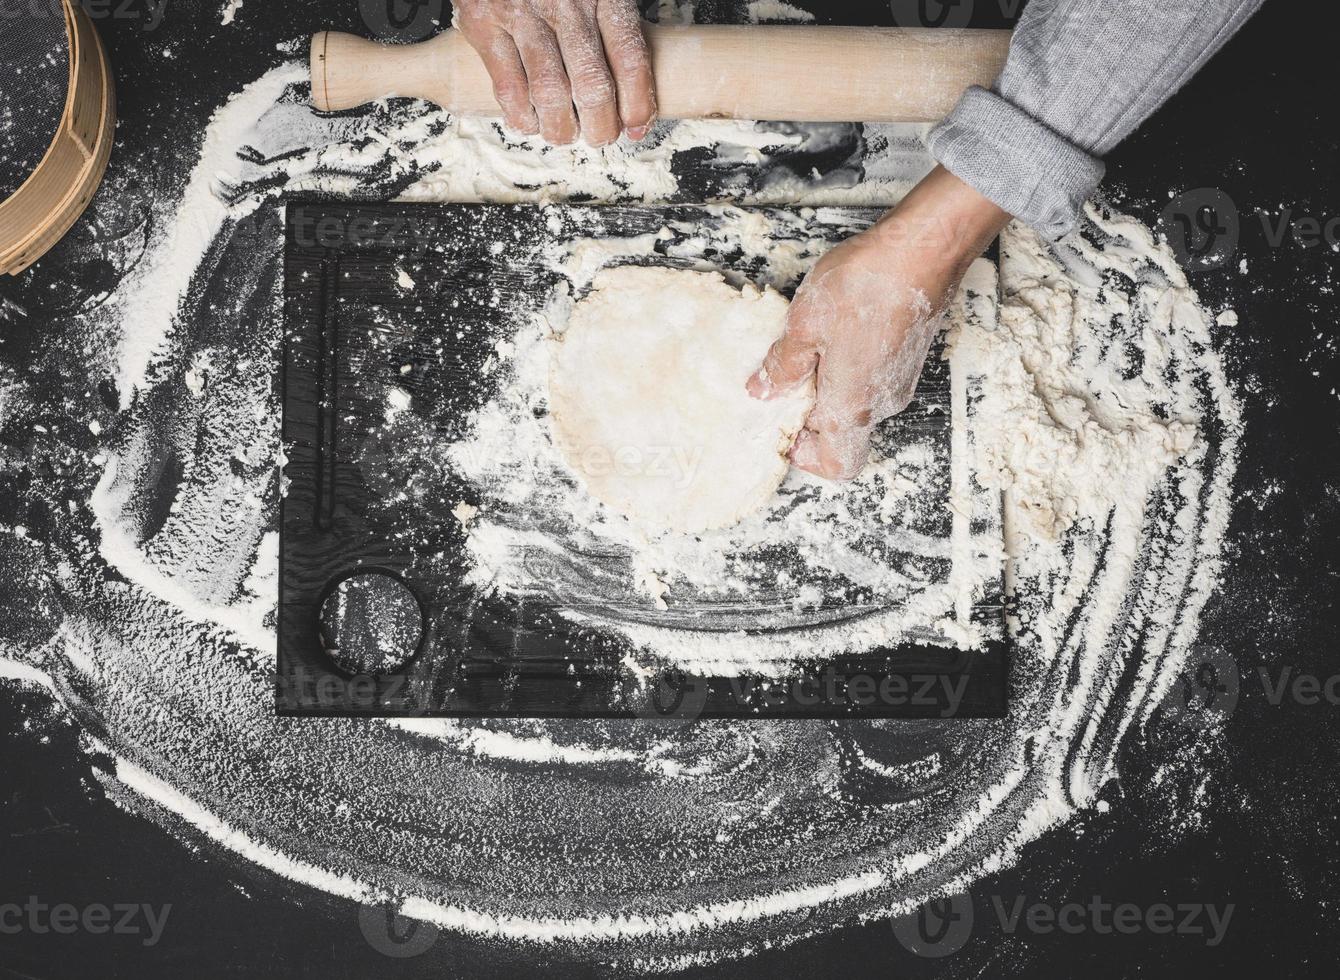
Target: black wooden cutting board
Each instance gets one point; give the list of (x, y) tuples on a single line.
[(376, 616)]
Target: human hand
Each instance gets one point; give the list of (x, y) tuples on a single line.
[(865, 316), (564, 66)]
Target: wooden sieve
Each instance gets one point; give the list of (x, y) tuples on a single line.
[(57, 121)]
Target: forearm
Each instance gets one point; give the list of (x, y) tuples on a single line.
[(1081, 76), (943, 223)]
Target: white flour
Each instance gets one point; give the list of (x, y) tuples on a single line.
[(1107, 423), (763, 11)]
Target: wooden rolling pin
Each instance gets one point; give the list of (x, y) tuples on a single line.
[(801, 74)]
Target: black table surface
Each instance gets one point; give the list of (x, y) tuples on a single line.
[(1260, 124)]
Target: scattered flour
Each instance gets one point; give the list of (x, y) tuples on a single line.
[(764, 11), (1105, 422)]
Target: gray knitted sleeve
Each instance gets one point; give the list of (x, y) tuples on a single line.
[(1080, 77)]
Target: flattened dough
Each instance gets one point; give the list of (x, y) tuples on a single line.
[(648, 404)]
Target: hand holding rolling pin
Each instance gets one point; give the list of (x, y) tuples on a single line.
[(564, 67)]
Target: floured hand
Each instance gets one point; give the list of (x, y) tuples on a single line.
[(865, 317), (563, 67)]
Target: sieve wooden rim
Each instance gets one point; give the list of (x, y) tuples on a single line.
[(53, 197)]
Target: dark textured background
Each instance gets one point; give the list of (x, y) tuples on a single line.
[(1259, 123)]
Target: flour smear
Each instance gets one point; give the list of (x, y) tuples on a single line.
[(1106, 425)]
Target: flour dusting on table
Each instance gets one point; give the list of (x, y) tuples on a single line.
[(1106, 423)]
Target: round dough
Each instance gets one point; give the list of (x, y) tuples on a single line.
[(648, 401)]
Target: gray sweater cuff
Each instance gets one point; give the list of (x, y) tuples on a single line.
[(1016, 162)]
